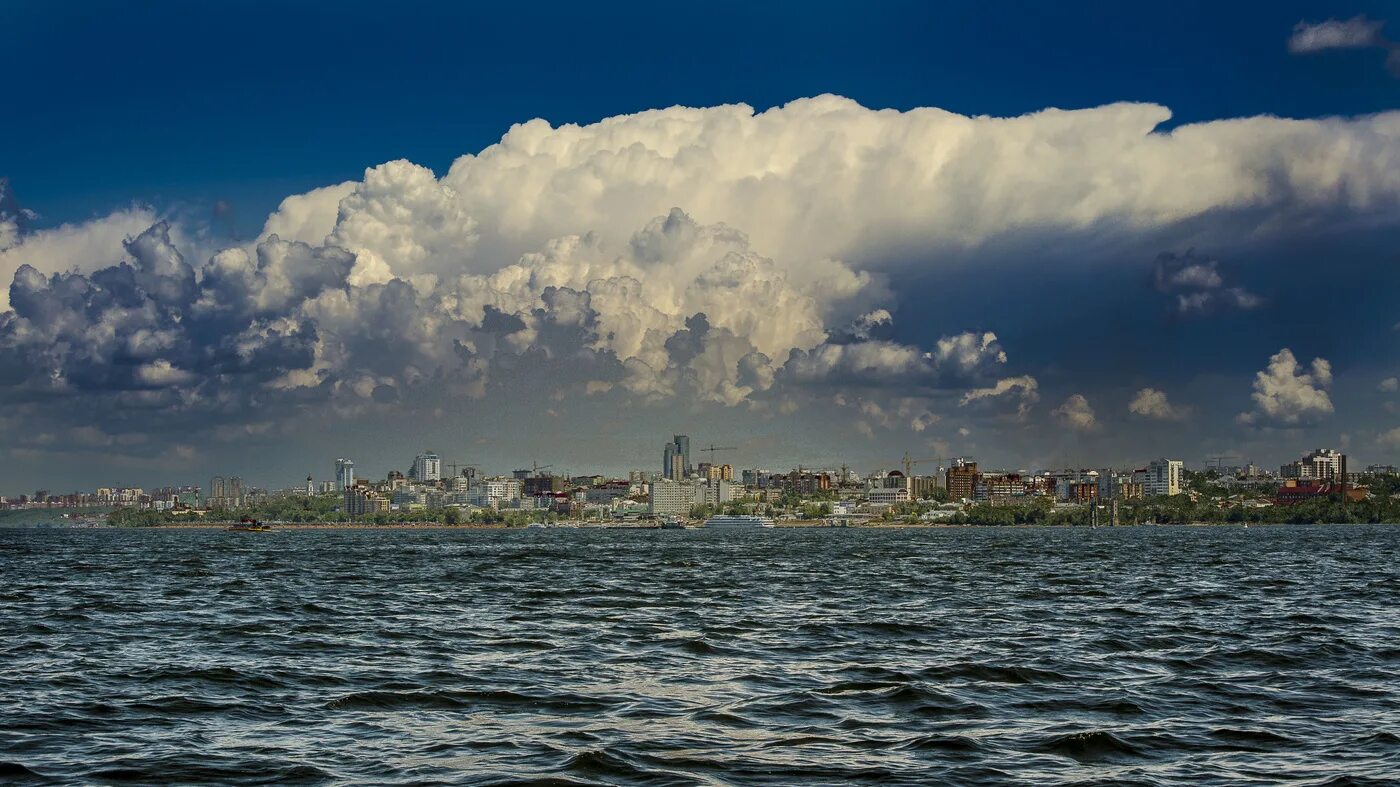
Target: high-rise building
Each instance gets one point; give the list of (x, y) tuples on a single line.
[(495, 492), (675, 458), (1323, 464), (683, 447), (962, 480), (543, 484), (922, 486), (673, 498), (427, 468), (1163, 478), (344, 473)]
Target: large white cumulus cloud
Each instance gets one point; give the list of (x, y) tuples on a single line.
[(826, 177), (1288, 393), (717, 254)]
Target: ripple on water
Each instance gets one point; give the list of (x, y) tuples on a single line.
[(965, 656)]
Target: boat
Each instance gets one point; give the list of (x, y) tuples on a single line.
[(738, 521), (247, 525)]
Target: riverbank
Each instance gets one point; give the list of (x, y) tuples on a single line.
[(789, 525)]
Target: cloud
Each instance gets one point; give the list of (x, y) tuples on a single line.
[(716, 255), (824, 178), (1389, 385), (1352, 33), (1197, 285), (865, 326), (1285, 393), (959, 359), (1023, 390), (1355, 33), (910, 413), (1152, 403), (680, 309), (1076, 414), (1390, 439), (84, 247), (14, 220)]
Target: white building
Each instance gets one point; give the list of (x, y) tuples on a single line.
[(715, 492), (887, 495), (672, 498), (1163, 478), (427, 467), (495, 493), (1324, 464), (344, 473), (676, 498)]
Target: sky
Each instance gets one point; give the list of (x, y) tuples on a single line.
[(246, 239)]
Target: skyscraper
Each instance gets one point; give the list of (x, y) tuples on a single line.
[(427, 467), (344, 474), (683, 448), (675, 458), (668, 461)]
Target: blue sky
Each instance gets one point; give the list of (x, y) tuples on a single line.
[(1207, 257), (190, 103)]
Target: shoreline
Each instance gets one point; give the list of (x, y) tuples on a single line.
[(799, 525)]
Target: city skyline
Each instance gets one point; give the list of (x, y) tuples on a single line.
[(345, 473), (969, 392), (837, 268)]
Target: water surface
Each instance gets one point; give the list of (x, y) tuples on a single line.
[(1023, 656)]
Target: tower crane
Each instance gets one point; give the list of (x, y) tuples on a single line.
[(909, 463)]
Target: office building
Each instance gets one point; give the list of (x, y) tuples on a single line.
[(1323, 464), (1162, 478), (496, 492), (675, 458), (344, 473), (670, 497), (427, 468), (962, 480)]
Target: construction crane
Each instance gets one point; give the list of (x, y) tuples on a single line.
[(713, 448), (909, 463), (1219, 462), (453, 466), (535, 468)]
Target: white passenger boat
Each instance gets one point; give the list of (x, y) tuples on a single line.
[(738, 521)]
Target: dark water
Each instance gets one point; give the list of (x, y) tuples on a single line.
[(1134, 656)]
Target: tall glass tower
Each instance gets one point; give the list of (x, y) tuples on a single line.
[(675, 458)]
